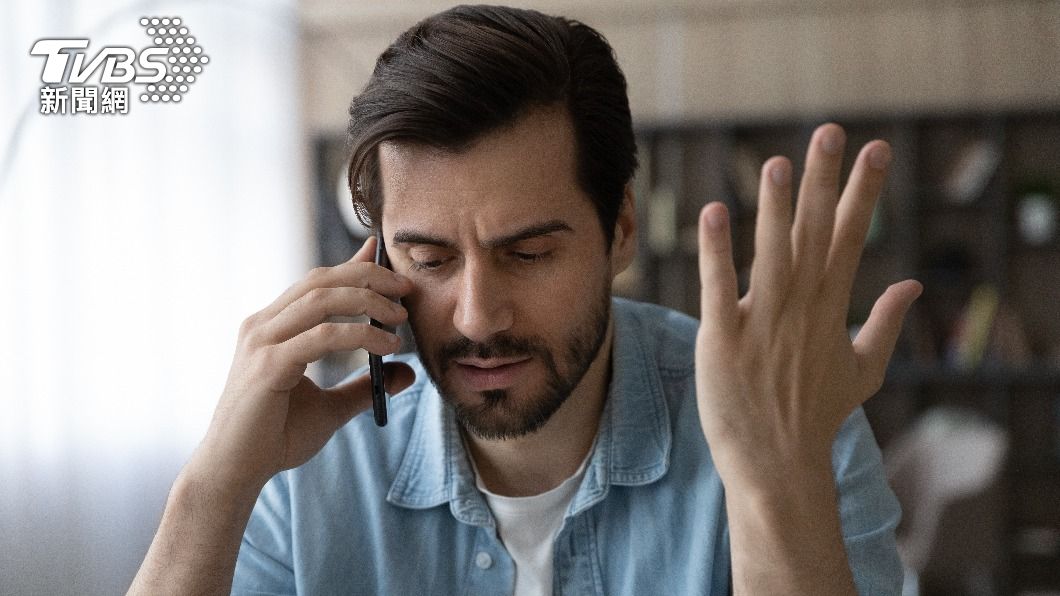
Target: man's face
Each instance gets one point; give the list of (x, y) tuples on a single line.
[(512, 298)]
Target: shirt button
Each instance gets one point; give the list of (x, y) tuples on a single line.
[(483, 560)]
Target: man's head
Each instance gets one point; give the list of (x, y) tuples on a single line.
[(471, 70), (493, 148)]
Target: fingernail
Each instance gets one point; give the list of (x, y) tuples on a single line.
[(831, 141), (716, 219), (879, 157), (402, 278), (780, 173)]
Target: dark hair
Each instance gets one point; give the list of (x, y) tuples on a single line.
[(470, 70)]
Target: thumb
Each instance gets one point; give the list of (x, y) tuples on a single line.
[(352, 398), (314, 415), (397, 376), (875, 343)]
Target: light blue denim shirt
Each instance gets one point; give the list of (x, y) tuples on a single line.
[(395, 510)]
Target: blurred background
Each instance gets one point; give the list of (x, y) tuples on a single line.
[(133, 245)]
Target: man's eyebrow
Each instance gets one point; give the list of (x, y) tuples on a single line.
[(414, 237), (531, 231)]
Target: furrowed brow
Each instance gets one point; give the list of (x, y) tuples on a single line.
[(414, 237), (531, 231)]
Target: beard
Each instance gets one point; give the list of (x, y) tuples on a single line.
[(497, 414)]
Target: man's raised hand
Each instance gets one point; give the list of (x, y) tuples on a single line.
[(776, 372)]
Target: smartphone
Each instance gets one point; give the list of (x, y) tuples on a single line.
[(375, 363)]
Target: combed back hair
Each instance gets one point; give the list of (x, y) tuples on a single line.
[(471, 70)]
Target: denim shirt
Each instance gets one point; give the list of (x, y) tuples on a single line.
[(395, 510)]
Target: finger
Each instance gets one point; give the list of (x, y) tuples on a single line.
[(815, 208), (365, 254), (854, 215), (875, 343), (771, 266), (325, 338), (320, 303), (717, 274), (359, 271)]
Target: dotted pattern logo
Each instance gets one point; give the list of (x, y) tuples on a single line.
[(185, 59)]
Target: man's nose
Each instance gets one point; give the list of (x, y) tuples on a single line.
[(483, 306)]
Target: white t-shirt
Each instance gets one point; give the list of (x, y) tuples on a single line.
[(528, 526)]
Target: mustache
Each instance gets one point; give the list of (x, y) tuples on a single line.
[(501, 346)]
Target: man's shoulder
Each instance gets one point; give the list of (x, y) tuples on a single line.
[(662, 334)]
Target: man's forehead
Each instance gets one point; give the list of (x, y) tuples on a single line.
[(538, 149), (494, 224), (516, 173)]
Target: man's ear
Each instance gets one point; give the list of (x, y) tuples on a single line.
[(624, 245)]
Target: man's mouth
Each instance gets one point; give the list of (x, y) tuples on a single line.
[(484, 374)]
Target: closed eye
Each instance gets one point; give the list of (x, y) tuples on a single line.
[(531, 257), (520, 257), (427, 265)]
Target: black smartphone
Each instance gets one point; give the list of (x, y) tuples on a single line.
[(375, 363)]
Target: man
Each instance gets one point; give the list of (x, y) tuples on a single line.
[(546, 438)]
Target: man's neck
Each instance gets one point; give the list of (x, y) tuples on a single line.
[(542, 460)]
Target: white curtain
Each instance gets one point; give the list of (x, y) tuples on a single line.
[(131, 247)]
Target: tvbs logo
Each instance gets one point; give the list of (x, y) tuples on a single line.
[(117, 62), (165, 69)]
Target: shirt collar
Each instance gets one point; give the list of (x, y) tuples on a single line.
[(632, 447)]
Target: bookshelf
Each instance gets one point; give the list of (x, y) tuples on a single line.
[(970, 210)]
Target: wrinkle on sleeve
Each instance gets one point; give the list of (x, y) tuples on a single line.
[(265, 564), (868, 509)]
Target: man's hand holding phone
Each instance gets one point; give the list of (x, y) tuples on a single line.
[(271, 417)]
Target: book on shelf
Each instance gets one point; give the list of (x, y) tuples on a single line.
[(988, 333), (744, 170), (969, 341), (662, 220), (972, 169)]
